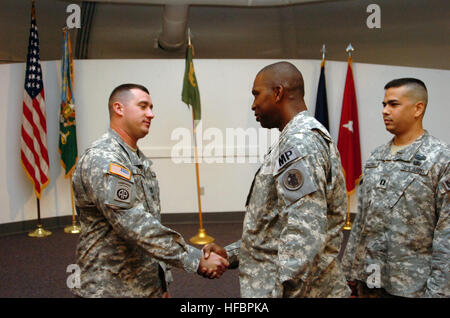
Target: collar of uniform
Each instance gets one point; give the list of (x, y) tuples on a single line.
[(302, 119), (294, 121), (405, 154), (306, 122), (134, 158)]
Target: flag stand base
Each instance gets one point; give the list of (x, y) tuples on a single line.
[(39, 232), (201, 238), (347, 225), (72, 229)]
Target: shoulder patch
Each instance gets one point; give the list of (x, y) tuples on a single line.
[(293, 179), (295, 182), (285, 157), (122, 192), (119, 170)]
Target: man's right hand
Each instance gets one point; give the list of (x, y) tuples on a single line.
[(214, 251), (213, 247), (213, 267)]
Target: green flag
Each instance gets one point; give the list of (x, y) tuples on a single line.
[(67, 127), (191, 94)]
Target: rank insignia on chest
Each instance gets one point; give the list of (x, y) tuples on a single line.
[(293, 179), (383, 182), (119, 171)]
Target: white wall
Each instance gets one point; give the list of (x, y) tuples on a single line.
[(225, 89)]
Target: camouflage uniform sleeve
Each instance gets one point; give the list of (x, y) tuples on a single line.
[(233, 254), (129, 218), (304, 234), (438, 284)]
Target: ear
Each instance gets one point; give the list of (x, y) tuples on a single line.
[(419, 109), (118, 108), (278, 93)]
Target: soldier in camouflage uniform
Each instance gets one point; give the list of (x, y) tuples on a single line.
[(124, 250), (400, 241), (297, 203)]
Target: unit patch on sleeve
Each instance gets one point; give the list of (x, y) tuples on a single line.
[(122, 192), (295, 182), (293, 179)]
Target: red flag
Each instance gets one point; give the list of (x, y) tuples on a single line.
[(33, 147), (348, 140)]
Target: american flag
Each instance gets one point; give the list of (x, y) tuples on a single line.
[(33, 149)]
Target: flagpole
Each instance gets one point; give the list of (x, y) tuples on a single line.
[(39, 231), (74, 228), (348, 223), (201, 238)]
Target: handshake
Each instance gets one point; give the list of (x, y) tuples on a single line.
[(214, 261)]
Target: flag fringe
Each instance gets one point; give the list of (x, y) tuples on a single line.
[(357, 181), (43, 186)]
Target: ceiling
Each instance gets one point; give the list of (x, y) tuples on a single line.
[(413, 32)]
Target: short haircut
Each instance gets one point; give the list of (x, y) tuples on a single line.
[(119, 92), (405, 81), (286, 74), (419, 88)]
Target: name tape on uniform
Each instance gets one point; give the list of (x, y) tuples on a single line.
[(120, 171)]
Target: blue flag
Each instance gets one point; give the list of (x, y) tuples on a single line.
[(321, 112)]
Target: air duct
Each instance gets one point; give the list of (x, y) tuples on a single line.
[(173, 34), (176, 12)]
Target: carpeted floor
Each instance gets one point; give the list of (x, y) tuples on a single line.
[(36, 267)]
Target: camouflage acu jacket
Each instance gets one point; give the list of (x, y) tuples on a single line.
[(295, 212), (123, 247), (402, 229)]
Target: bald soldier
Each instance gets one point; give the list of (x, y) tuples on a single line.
[(124, 250), (400, 240), (297, 203)]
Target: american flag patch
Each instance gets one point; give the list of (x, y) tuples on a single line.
[(120, 171)]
